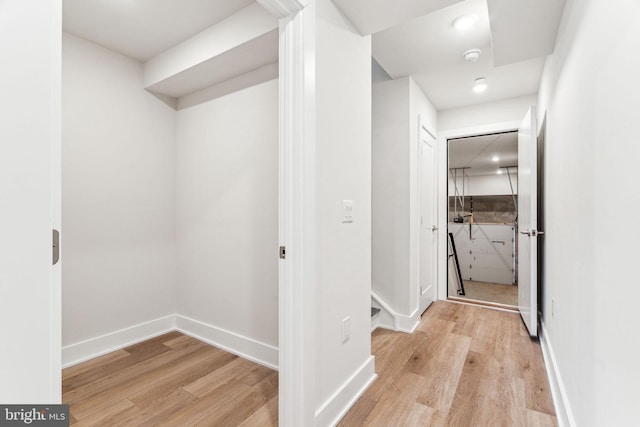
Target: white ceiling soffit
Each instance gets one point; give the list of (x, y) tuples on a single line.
[(430, 42), (430, 50), (453, 88), (523, 29), (371, 16), (477, 153), (249, 56), (142, 29)]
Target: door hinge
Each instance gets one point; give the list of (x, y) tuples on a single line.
[(283, 253), (56, 247)]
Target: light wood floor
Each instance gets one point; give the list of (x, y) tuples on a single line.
[(172, 380), (464, 366), (490, 292)]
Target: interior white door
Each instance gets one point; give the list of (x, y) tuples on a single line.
[(527, 223), (428, 230), (30, 46)]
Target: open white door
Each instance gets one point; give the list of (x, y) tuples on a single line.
[(428, 230), (527, 223), (30, 34)]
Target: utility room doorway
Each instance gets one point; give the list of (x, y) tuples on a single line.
[(482, 222)]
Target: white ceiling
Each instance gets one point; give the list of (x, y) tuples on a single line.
[(141, 29), (514, 35), (476, 153), (371, 16), (519, 33)]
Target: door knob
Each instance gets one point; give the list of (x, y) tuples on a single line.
[(434, 228)]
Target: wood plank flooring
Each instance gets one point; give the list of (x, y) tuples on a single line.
[(490, 292), (171, 380), (464, 366)]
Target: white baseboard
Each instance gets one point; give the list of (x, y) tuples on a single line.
[(407, 324), (337, 406), (389, 319), (247, 348), (73, 354), (564, 414)]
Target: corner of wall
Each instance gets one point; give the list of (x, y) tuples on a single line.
[(245, 347), (339, 403)]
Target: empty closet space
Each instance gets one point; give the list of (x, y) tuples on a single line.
[(482, 221), (169, 192)]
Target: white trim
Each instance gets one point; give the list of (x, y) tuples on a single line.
[(82, 351), (297, 221), (56, 200), (247, 348), (401, 322), (564, 414), (409, 323), (443, 204), (337, 406)]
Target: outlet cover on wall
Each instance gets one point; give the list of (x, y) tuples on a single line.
[(347, 211)]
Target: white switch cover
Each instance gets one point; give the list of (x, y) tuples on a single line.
[(347, 211), (346, 329)]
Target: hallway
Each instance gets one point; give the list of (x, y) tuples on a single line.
[(463, 366)]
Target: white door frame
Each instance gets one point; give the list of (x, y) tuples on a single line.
[(297, 400), (443, 203)]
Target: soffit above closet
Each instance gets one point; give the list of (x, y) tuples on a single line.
[(186, 46), (142, 29)]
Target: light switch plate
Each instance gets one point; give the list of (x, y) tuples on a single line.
[(347, 211), (346, 329)]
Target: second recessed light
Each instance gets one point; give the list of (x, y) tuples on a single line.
[(480, 85)]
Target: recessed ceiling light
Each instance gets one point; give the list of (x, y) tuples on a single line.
[(499, 172), (472, 55), (480, 85), (464, 22), (495, 158)]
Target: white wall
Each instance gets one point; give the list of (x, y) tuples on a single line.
[(227, 213), (343, 172), (591, 98), (397, 105), (378, 74), (30, 135), (481, 114), (118, 183), (485, 185), (390, 191)]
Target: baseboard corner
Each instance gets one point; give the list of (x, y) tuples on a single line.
[(247, 348)]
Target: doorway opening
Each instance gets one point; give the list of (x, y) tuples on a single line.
[(482, 222)]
